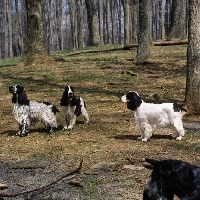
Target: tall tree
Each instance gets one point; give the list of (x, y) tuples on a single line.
[(106, 4), (36, 51), (80, 19), (143, 50), (127, 38), (178, 19), (73, 20), (93, 26), (19, 30), (193, 59), (100, 21)]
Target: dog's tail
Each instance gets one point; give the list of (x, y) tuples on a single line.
[(150, 163)]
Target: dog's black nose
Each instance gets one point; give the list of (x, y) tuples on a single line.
[(70, 94)]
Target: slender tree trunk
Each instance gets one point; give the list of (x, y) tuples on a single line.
[(119, 22), (93, 27), (126, 22), (73, 20), (134, 20), (193, 59), (20, 39), (107, 12), (80, 24), (178, 29), (10, 28), (5, 30), (143, 50), (36, 51), (100, 21), (58, 12)]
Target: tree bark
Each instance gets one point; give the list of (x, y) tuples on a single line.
[(178, 20), (106, 4), (93, 27), (143, 50), (36, 51), (193, 59), (126, 22)]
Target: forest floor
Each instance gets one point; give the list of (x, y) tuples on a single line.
[(112, 156)]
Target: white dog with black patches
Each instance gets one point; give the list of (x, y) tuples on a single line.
[(149, 116), (28, 112), (72, 107)]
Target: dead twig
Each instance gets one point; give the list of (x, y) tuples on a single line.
[(29, 167), (45, 187)]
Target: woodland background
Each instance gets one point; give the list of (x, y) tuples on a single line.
[(67, 23)]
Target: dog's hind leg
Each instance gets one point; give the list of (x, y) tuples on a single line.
[(50, 122)]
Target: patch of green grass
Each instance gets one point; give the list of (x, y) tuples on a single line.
[(9, 61), (127, 185), (38, 156), (92, 186)]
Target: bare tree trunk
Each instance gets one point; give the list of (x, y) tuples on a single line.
[(58, 11), (10, 28), (126, 22), (73, 20), (93, 27), (106, 4), (178, 20), (134, 20), (143, 50), (5, 30), (193, 59), (80, 23), (50, 34), (119, 15), (1, 29), (36, 51), (20, 39), (100, 21)]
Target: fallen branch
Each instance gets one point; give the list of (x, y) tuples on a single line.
[(45, 187), (29, 167), (128, 47), (169, 43)]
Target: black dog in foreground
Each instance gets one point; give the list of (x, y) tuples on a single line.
[(172, 177)]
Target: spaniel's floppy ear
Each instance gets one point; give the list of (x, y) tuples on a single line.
[(134, 101), (20, 88), (137, 99)]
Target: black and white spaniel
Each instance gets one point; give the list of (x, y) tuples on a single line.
[(149, 116), (172, 177), (28, 112), (72, 107)]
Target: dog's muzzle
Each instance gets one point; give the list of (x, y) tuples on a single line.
[(70, 95), (12, 89), (123, 99)]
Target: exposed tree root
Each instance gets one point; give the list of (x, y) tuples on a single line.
[(45, 187)]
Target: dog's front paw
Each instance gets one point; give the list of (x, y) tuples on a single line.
[(139, 138), (64, 128), (144, 140), (70, 127), (18, 133), (179, 138)]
